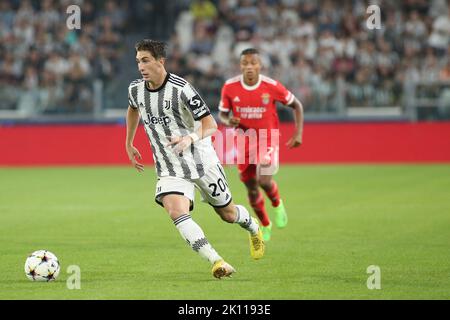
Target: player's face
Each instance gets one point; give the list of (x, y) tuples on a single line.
[(250, 66), (149, 67)]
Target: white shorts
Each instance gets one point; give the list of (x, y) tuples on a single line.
[(213, 187)]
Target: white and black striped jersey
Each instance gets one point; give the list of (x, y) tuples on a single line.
[(174, 109)]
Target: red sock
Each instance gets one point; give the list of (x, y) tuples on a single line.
[(260, 210), (273, 194)]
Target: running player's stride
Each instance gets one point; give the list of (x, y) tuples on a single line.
[(179, 126), (251, 99)]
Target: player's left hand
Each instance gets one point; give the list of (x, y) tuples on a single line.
[(294, 142), (179, 144)]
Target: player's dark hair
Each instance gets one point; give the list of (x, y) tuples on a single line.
[(249, 51), (156, 48)]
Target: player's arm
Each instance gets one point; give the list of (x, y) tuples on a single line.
[(199, 112), (225, 107), (132, 124), (207, 128), (297, 139)]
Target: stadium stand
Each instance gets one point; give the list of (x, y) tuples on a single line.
[(322, 51)]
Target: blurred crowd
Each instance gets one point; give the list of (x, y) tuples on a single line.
[(47, 68), (321, 50)]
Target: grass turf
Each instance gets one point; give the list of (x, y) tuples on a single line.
[(342, 219)]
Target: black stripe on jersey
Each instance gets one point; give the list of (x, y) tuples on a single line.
[(198, 161), (134, 94), (184, 98), (179, 79), (222, 173), (181, 125), (166, 159), (168, 133), (195, 152), (176, 82), (131, 104), (176, 112), (157, 163)]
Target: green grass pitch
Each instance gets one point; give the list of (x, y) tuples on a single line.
[(342, 219)]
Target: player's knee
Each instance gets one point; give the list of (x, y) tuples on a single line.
[(174, 213), (251, 184), (174, 210), (266, 184), (175, 205)]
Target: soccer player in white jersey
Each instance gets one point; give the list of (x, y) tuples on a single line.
[(179, 126)]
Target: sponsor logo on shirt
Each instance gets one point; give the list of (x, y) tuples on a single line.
[(157, 120), (197, 106), (199, 110), (251, 112), (195, 102)]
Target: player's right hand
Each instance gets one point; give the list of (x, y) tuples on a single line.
[(133, 153), (234, 121)]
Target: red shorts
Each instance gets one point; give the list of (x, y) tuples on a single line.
[(249, 170), (256, 155)]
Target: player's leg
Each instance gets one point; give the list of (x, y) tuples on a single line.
[(248, 176), (177, 207), (256, 200), (268, 184), (176, 196), (239, 214), (214, 188)]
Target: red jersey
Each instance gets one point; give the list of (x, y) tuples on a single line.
[(254, 105)]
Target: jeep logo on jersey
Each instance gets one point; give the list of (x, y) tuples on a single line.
[(157, 120)]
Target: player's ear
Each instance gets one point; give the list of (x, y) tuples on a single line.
[(162, 61)]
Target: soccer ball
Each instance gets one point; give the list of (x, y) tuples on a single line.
[(42, 265)]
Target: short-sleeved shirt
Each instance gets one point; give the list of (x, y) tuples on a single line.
[(254, 105), (256, 108), (174, 109)]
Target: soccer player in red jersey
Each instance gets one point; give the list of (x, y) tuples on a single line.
[(251, 98)]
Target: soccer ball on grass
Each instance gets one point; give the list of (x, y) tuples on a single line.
[(42, 265)]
